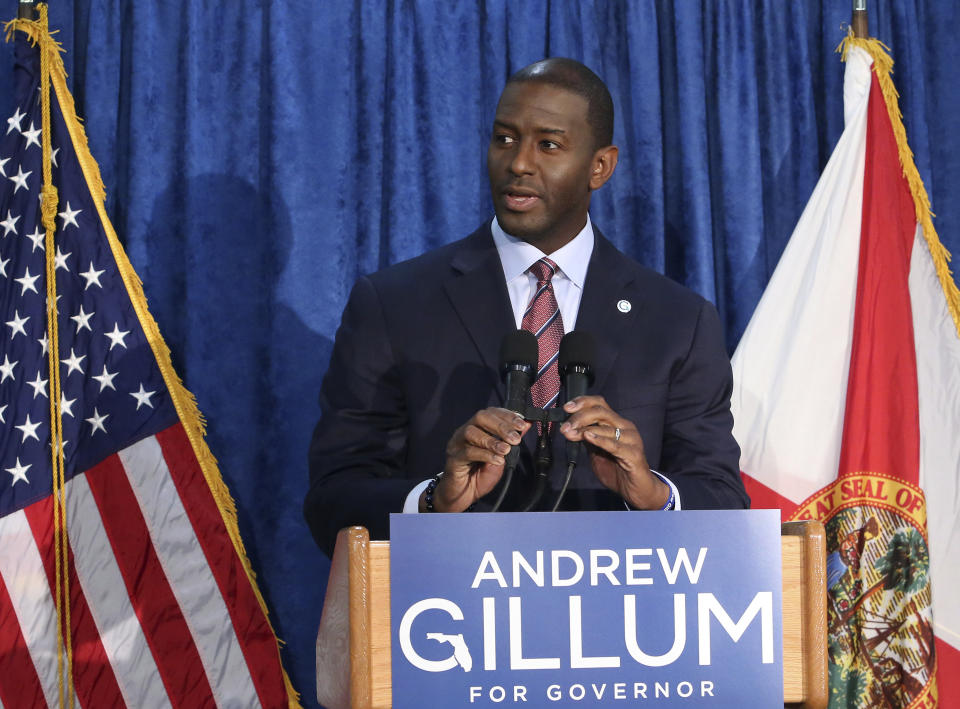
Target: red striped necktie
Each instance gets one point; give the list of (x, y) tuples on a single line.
[(543, 319)]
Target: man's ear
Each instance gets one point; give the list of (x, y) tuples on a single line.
[(604, 163)]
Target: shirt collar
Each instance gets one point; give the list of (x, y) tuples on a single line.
[(516, 255)]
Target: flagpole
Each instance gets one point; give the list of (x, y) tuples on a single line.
[(27, 10), (859, 21)]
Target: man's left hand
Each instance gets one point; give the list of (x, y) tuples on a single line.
[(619, 462)]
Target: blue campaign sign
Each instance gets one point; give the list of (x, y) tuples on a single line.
[(586, 609)]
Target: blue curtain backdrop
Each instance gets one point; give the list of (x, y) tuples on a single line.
[(259, 155)]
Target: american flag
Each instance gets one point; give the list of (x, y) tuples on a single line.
[(163, 609)]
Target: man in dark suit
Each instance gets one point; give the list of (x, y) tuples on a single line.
[(413, 387)]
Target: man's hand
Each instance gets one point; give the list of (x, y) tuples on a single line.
[(620, 465), (475, 458)]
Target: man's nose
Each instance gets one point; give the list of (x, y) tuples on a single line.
[(524, 159)]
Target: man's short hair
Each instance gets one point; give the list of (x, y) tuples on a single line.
[(573, 76)]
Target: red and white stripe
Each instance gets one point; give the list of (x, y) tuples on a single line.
[(162, 611), (792, 365)]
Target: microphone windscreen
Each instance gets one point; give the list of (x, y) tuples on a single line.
[(518, 347), (576, 348)]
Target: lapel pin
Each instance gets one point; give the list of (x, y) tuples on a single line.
[(624, 306)]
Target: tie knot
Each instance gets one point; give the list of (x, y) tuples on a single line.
[(544, 269)]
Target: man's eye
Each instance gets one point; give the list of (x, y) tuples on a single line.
[(503, 139), (549, 145)]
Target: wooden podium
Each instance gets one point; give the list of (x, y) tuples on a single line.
[(353, 643)]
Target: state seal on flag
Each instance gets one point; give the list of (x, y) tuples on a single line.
[(879, 610)]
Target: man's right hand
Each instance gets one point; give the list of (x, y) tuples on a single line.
[(475, 458)]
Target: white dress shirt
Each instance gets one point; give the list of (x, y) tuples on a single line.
[(572, 259), (516, 257)]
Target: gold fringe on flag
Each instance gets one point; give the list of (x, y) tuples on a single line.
[(883, 68), (183, 400)]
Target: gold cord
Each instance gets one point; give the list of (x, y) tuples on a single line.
[(38, 32)]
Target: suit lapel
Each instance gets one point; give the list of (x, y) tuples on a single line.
[(606, 285), (478, 293)]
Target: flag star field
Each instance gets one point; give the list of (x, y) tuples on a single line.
[(113, 393)]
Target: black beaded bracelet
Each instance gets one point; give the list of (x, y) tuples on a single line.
[(431, 488)]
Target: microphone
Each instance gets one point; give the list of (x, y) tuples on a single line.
[(518, 365), (574, 362)]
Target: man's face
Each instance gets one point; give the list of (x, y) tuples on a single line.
[(542, 164)]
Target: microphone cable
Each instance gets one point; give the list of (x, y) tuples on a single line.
[(543, 460)]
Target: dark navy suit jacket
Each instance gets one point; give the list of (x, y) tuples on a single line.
[(416, 356)]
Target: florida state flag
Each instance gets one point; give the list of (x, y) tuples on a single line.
[(847, 405)]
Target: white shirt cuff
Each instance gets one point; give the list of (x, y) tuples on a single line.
[(412, 503)]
